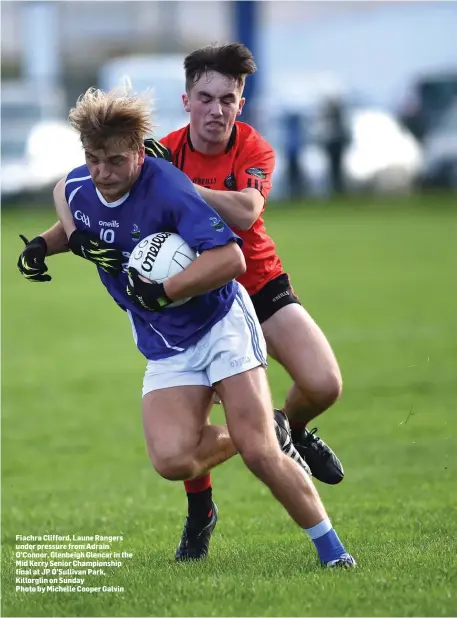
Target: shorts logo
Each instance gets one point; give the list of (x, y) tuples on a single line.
[(286, 293), (230, 182), (257, 172), (81, 216), (239, 362), (217, 224)]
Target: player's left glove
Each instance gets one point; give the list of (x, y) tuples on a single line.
[(91, 248), (31, 262), (150, 296)]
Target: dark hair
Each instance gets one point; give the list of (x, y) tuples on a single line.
[(234, 60)]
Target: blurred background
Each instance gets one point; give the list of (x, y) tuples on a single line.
[(354, 96)]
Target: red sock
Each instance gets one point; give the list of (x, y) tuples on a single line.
[(199, 498), (195, 486)]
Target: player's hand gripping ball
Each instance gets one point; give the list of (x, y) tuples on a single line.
[(155, 259)]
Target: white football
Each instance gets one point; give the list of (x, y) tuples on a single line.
[(160, 256)]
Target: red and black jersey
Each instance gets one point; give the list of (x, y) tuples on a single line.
[(246, 162)]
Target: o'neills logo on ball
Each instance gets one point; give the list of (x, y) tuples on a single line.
[(154, 248)]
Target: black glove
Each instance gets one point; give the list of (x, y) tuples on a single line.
[(91, 248), (31, 261), (157, 150), (150, 296)]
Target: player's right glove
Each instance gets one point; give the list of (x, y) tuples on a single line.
[(91, 248), (31, 261)]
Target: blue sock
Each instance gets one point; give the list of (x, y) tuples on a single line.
[(324, 537)]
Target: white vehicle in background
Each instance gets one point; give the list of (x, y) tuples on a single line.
[(383, 156), (162, 75), (37, 145)]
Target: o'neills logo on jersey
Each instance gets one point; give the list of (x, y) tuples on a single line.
[(154, 247), (112, 223)]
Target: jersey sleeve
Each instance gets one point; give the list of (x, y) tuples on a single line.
[(254, 168), (199, 225)]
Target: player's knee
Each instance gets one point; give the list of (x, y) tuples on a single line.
[(330, 389), (325, 390), (175, 468), (259, 459)]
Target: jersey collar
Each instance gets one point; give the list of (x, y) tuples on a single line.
[(118, 202), (230, 143)]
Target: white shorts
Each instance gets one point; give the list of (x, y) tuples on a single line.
[(234, 345)]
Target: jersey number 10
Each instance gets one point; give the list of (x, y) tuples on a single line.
[(107, 235)]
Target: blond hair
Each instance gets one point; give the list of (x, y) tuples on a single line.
[(115, 117)]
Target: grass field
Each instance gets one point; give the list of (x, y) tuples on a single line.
[(380, 279)]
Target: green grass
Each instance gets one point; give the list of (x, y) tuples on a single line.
[(380, 280)]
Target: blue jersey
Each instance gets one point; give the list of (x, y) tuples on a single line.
[(163, 199)]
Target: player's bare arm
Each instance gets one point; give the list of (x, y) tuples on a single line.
[(213, 268), (62, 209), (239, 209), (56, 239)]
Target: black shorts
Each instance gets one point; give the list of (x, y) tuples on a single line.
[(274, 295)]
